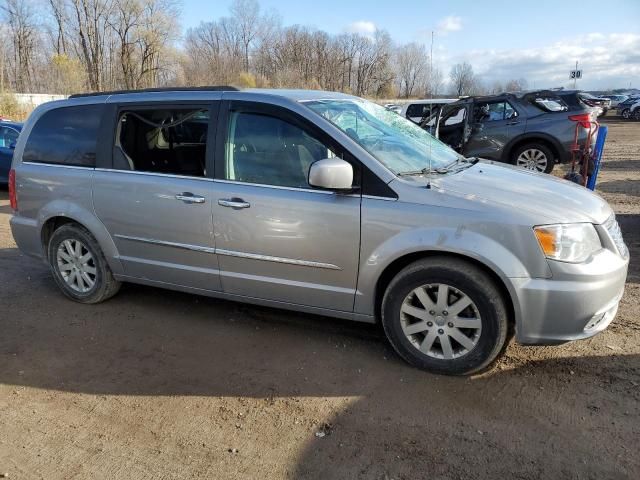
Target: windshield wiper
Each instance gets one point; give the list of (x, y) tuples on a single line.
[(442, 170), (470, 161), (424, 171)]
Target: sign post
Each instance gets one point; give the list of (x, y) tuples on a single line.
[(575, 75)]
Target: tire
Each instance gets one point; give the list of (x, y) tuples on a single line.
[(636, 114), (533, 156), (68, 266), (626, 114), (463, 281)]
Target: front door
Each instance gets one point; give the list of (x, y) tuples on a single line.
[(156, 198), (453, 125), (494, 123), (277, 238)]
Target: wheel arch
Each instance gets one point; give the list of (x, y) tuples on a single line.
[(52, 218), (391, 270), (547, 140)]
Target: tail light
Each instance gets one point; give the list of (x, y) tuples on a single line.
[(13, 195), (584, 119)]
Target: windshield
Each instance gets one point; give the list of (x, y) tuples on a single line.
[(396, 142)]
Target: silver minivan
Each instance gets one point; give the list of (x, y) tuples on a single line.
[(317, 202)]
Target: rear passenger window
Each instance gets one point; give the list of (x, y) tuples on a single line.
[(165, 140), (65, 136)]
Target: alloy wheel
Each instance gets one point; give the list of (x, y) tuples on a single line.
[(440, 321), (532, 159), (76, 265)]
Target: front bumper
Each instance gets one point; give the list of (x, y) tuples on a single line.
[(579, 300)]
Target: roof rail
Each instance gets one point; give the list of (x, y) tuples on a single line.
[(214, 88)]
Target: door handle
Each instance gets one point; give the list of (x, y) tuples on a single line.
[(188, 197), (235, 203), (513, 123)]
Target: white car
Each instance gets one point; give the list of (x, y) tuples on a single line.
[(418, 109)]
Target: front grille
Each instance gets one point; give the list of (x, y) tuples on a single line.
[(613, 229)]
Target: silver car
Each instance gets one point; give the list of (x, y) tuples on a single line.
[(318, 202)]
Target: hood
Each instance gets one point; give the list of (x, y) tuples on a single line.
[(543, 196)]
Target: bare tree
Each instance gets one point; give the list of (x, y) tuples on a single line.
[(372, 66), (125, 22), (91, 21), (158, 30), (213, 53), (74, 45), (250, 25), (462, 78), (60, 16), (433, 83), (496, 87), (516, 85), (411, 67), (21, 19)]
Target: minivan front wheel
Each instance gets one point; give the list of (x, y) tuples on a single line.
[(534, 156), (446, 316), (78, 265)]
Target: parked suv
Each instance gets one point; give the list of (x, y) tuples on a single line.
[(629, 109), (317, 202), (9, 132), (624, 108), (533, 130)]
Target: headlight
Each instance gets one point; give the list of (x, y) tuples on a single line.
[(572, 243)]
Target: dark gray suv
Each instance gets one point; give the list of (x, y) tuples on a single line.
[(533, 130)]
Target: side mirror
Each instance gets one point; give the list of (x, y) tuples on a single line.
[(12, 145), (331, 174)]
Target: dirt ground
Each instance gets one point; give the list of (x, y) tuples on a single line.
[(157, 385)]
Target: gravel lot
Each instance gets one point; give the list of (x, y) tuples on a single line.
[(156, 384)]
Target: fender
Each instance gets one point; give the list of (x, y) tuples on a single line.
[(77, 213), (485, 250), (559, 149)]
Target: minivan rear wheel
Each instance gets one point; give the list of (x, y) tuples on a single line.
[(446, 316), (533, 156), (78, 265)]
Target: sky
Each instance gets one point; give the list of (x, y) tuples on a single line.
[(538, 40)]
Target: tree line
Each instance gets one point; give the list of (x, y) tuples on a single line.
[(69, 46)]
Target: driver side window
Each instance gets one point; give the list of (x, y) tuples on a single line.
[(495, 111), (267, 150)]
